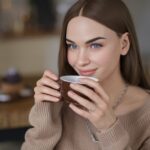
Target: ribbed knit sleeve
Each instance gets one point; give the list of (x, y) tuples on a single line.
[(45, 117), (146, 145)]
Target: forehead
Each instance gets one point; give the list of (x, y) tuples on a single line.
[(82, 27)]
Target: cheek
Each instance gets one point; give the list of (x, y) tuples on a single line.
[(106, 58), (107, 63), (71, 58)]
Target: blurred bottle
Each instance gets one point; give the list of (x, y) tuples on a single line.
[(43, 14), (6, 21), (12, 14)]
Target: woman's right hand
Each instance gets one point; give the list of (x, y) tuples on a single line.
[(47, 88)]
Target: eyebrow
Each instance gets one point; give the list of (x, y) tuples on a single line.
[(89, 41)]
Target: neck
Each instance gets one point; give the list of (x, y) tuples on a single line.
[(114, 86)]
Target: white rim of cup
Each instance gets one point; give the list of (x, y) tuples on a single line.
[(63, 78)]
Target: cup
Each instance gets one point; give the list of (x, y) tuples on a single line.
[(65, 82)]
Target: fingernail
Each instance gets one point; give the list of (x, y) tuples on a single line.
[(72, 85), (59, 94), (70, 93), (57, 86)]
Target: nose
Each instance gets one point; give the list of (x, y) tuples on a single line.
[(83, 57)]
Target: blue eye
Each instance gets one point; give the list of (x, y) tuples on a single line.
[(72, 46), (95, 45)]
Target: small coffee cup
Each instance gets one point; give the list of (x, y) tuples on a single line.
[(65, 82)]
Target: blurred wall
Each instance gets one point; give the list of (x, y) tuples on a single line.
[(29, 55), (140, 11)]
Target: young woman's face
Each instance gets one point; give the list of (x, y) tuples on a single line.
[(92, 48)]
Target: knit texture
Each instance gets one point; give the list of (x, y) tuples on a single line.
[(57, 127)]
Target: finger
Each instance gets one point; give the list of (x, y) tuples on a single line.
[(44, 97), (88, 105), (87, 114), (89, 93), (48, 82), (92, 95), (79, 111), (47, 90), (96, 86), (49, 74)]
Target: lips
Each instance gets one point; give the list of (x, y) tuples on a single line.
[(87, 72)]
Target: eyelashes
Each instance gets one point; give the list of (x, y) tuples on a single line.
[(91, 46), (96, 45), (71, 46)]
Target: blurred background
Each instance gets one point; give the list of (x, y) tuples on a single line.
[(29, 43)]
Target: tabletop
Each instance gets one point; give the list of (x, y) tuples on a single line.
[(15, 114)]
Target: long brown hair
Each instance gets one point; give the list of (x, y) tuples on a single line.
[(115, 15)]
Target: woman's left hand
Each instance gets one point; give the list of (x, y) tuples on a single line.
[(98, 110)]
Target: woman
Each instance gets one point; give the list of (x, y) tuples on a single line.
[(98, 39)]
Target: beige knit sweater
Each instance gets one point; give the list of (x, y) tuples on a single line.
[(56, 127)]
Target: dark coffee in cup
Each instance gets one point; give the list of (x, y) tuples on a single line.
[(65, 82)]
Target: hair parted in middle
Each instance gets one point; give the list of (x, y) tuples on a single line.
[(115, 15)]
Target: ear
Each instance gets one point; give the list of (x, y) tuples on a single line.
[(125, 43)]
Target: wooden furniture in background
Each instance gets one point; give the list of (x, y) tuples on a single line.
[(14, 115)]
